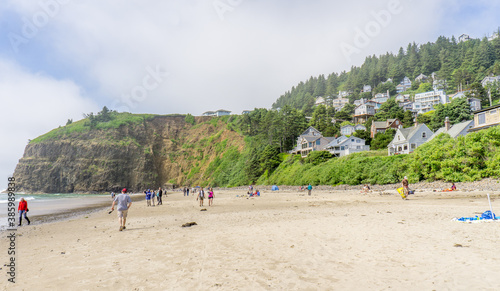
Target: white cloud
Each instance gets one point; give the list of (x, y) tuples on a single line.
[(33, 104)]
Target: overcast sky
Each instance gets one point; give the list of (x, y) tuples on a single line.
[(62, 58)]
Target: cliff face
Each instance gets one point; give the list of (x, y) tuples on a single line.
[(148, 154)]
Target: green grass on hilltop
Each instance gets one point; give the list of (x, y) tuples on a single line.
[(118, 119)]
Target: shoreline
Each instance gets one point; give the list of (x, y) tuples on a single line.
[(71, 212)]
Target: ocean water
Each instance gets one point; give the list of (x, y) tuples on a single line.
[(52, 204)]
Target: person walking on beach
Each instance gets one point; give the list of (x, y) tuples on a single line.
[(309, 189), (406, 188), (22, 209), (153, 196), (187, 191), (123, 202), (210, 197), (201, 196), (112, 195), (148, 197), (160, 194)]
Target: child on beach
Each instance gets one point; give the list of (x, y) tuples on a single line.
[(148, 197), (210, 197), (201, 196)]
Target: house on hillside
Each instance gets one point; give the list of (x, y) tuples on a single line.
[(475, 103), (381, 97), (407, 105), (382, 126), (310, 140), (402, 98), (421, 78), (459, 129), (490, 80), (363, 112), (486, 118), (366, 88), (320, 101), (343, 146), (339, 103), (408, 139), (404, 85), (360, 101), (348, 130), (375, 104), (428, 100), (246, 111), (463, 37), (220, 112)]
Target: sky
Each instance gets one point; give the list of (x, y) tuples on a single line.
[(60, 59)]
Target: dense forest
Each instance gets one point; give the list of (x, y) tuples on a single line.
[(458, 64)]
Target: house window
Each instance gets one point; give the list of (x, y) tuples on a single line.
[(412, 146), (399, 138), (342, 148), (352, 140), (304, 145), (406, 147), (481, 118), (318, 142), (310, 144), (493, 111), (358, 141), (424, 135)]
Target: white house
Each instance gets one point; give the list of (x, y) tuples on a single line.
[(219, 112), (363, 112), (320, 101), (428, 99), (343, 146), (360, 101), (402, 97), (490, 80), (404, 85), (367, 88), (459, 129), (381, 97), (420, 78), (339, 103), (408, 139), (348, 129)]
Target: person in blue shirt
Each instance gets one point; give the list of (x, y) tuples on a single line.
[(148, 197)]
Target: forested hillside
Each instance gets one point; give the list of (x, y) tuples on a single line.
[(458, 63)]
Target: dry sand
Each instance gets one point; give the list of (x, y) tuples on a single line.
[(280, 241)]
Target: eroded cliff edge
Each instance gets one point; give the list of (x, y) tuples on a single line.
[(148, 152)]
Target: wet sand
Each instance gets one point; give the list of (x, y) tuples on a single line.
[(338, 240)]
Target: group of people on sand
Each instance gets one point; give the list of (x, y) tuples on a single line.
[(202, 195), (152, 195)]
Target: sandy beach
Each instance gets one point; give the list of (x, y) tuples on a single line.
[(285, 240)]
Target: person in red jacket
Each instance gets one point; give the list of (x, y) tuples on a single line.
[(23, 209)]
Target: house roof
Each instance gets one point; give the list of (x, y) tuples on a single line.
[(310, 127), (379, 124), (486, 109), (455, 130), (407, 133)]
